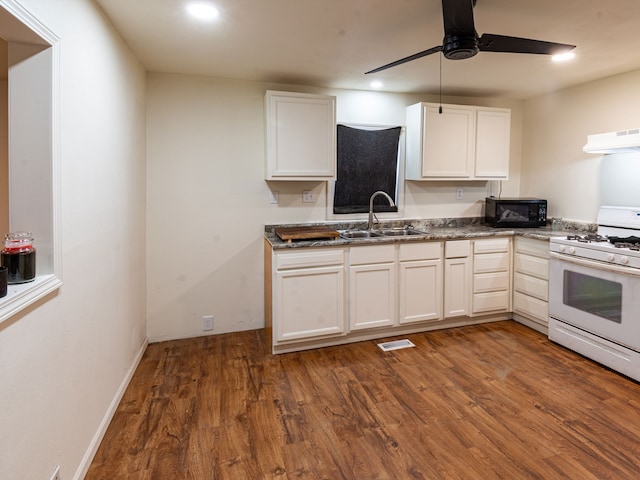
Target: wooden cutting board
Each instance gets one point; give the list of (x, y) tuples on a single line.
[(288, 234)]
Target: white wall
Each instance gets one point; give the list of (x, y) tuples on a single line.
[(208, 200), (63, 360), (555, 130)]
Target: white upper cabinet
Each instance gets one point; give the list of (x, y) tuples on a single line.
[(440, 145), (493, 132), (301, 136), (462, 143)]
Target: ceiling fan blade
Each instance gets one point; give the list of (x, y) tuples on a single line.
[(501, 43), (457, 16), (415, 56)]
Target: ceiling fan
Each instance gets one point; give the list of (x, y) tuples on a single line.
[(461, 40)]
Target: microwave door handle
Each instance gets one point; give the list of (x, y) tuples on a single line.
[(607, 267)]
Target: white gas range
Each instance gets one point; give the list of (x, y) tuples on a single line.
[(594, 291)]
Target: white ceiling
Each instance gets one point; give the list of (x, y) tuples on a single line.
[(331, 43)]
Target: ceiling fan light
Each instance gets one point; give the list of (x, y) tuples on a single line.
[(202, 11), (563, 56)]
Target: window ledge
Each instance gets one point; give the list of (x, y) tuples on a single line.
[(22, 295)]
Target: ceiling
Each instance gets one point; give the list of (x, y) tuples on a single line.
[(331, 43)]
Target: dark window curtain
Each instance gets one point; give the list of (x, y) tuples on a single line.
[(367, 162)]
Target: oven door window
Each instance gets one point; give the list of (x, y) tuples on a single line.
[(597, 296)]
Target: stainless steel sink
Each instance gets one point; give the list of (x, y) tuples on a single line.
[(358, 234), (383, 232), (399, 232)]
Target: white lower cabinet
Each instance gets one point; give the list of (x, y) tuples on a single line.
[(308, 294), (491, 275), (323, 296), (420, 282), (531, 280), (457, 278), (372, 286)]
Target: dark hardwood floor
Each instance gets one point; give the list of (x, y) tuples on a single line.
[(495, 401)]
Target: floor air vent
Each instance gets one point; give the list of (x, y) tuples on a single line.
[(396, 345)]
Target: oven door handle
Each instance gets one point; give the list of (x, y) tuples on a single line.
[(607, 267)]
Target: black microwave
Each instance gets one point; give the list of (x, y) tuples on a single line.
[(515, 212)]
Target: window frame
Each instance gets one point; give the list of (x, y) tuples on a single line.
[(348, 217), (36, 55)]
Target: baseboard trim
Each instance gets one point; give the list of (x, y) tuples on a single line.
[(83, 468), (534, 324)]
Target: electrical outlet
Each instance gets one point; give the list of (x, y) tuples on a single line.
[(308, 196), (207, 323), (459, 193), (56, 474)]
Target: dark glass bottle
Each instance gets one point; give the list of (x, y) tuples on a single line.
[(19, 256)]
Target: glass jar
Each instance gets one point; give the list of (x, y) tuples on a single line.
[(19, 256)]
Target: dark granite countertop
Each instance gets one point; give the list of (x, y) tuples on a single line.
[(437, 229)]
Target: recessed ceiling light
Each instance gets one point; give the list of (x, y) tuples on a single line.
[(376, 84), (202, 11), (563, 57)]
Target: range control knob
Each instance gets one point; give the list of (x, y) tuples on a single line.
[(561, 248), (572, 250), (611, 257), (624, 260)]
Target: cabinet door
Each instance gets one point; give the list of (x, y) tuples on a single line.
[(301, 136), (449, 142), (493, 133), (372, 298), (457, 281), (308, 303), (420, 291)]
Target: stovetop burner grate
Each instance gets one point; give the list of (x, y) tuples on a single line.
[(588, 238), (632, 240)]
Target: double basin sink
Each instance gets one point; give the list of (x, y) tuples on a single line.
[(383, 232)]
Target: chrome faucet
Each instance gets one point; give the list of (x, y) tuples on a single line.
[(375, 194)]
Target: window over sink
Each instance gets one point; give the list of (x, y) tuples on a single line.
[(369, 159)]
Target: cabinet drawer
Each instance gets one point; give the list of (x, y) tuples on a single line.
[(490, 282), (372, 254), (491, 262), (491, 245), (535, 287), (457, 248), (420, 251), (531, 307), (309, 258), (537, 248), (490, 302), (538, 267)]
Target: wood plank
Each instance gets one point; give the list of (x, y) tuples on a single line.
[(312, 232), (488, 401)]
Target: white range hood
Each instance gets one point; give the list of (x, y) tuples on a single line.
[(622, 141)]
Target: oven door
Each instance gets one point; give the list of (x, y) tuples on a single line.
[(599, 298)]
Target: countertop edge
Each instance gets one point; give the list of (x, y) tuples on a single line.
[(433, 234)]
